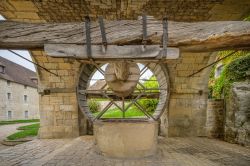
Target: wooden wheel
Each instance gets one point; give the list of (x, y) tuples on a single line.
[(116, 99)]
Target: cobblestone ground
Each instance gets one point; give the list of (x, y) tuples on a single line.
[(171, 152)]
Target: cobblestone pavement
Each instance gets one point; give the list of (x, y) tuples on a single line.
[(171, 152)]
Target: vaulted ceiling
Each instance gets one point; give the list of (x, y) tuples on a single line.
[(75, 10)]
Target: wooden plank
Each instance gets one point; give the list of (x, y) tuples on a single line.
[(112, 52), (196, 36), (99, 94)]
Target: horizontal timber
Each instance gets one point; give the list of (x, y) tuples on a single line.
[(99, 94), (111, 52), (195, 37)]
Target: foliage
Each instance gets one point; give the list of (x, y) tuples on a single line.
[(233, 72), (94, 106), (229, 59), (27, 131), (116, 113), (217, 86), (152, 83), (247, 18), (18, 121), (150, 104), (29, 127)]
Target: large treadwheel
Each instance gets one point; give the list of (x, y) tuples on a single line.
[(141, 92)]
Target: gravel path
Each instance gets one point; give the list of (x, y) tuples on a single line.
[(6, 130)]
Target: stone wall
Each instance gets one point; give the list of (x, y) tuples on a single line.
[(16, 103), (215, 118), (237, 127), (188, 95), (59, 109)]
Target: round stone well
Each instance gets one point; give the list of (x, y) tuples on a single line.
[(126, 139)]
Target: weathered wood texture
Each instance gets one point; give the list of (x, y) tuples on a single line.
[(122, 84), (199, 36), (112, 51)]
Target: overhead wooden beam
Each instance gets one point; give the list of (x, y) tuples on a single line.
[(198, 36), (112, 51)]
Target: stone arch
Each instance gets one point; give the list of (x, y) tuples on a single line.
[(188, 95)]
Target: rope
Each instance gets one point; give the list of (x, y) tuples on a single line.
[(32, 62), (212, 63), (165, 37)]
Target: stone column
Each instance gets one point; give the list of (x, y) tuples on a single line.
[(188, 95), (58, 108)]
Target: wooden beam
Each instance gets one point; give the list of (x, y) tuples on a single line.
[(197, 36), (99, 94), (112, 51)]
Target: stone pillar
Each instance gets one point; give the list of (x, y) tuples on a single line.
[(188, 95), (58, 108), (215, 118)]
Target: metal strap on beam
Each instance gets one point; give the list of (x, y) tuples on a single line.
[(88, 37), (165, 37), (103, 33), (144, 29)]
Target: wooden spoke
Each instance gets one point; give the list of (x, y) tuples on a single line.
[(133, 101), (142, 109), (113, 101), (104, 110)]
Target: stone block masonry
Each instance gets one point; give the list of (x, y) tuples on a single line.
[(58, 110), (237, 127), (16, 104), (215, 118)]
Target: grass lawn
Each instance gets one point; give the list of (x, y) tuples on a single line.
[(116, 113), (26, 131), (18, 121)]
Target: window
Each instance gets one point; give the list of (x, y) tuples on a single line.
[(25, 98), (9, 114), (26, 114), (2, 69), (9, 96), (25, 86), (218, 71), (8, 82)]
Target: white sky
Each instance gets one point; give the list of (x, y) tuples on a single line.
[(14, 58)]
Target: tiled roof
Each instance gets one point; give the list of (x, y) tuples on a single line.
[(17, 73)]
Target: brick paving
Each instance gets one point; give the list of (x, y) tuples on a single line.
[(81, 152)]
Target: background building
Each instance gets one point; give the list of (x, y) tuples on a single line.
[(18, 92)]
